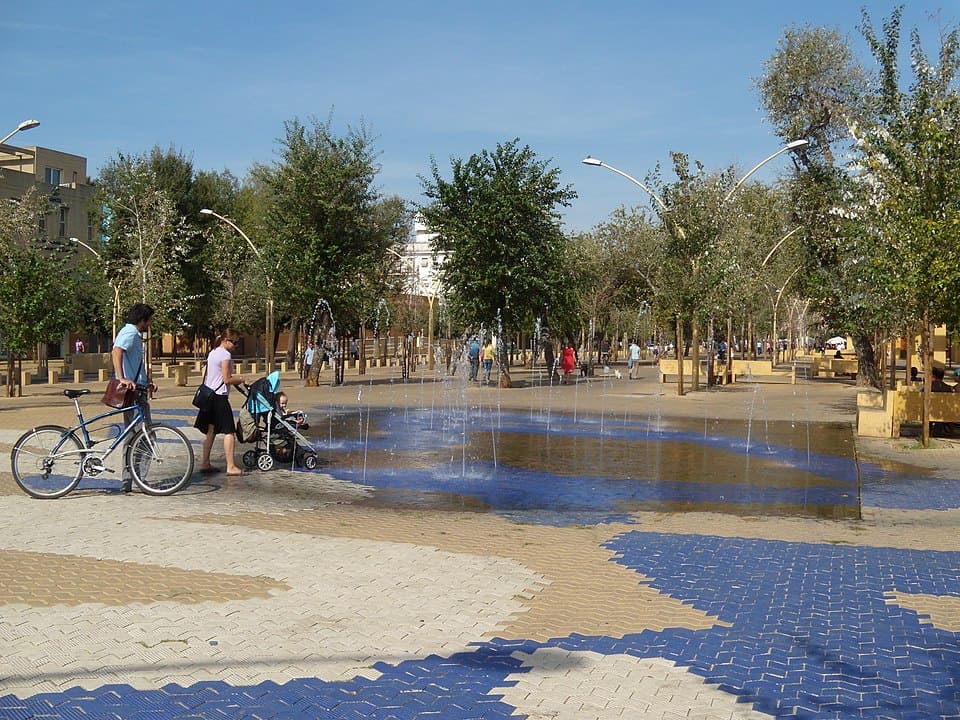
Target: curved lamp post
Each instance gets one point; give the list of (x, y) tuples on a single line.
[(793, 145), (268, 350), (115, 286), (25, 125), (786, 148), (595, 162)]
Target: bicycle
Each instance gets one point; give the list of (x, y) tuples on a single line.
[(50, 460)]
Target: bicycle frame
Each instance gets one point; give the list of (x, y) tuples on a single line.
[(89, 443)]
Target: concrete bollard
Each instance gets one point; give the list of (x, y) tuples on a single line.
[(183, 374), (103, 375), (284, 366), (26, 377), (52, 376), (78, 376)]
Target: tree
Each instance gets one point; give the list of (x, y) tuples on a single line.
[(910, 161), (146, 238), (814, 88), (693, 220), (616, 270), (322, 229), (498, 226), (35, 294)]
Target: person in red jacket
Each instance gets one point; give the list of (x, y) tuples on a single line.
[(568, 362)]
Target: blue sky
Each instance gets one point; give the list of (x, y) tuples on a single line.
[(625, 81)]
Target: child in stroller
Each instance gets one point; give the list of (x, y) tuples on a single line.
[(275, 432), (297, 418)]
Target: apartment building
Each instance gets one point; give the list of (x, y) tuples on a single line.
[(63, 177)]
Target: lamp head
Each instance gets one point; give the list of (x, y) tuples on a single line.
[(27, 125), (592, 161), (796, 144)]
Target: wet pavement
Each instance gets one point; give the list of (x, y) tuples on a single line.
[(598, 551)]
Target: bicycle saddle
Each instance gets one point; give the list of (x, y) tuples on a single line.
[(72, 394)]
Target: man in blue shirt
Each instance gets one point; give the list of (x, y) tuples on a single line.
[(129, 366), (308, 356), (474, 357)]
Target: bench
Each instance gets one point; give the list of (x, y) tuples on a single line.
[(670, 366), (756, 369), (881, 413), (829, 367), (740, 369)]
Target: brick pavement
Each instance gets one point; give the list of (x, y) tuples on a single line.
[(394, 595)]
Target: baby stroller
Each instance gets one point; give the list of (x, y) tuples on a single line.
[(276, 434)]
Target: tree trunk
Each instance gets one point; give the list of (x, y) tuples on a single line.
[(695, 354), (293, 340), (926, 350), (728, 372), (548, 358), (679, 354), (711, 354), (867, 371), (909, 338), (503, 359), (362, 351), (893, 363)]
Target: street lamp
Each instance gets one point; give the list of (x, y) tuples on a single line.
[(599, 163), (115, 286), (25, 125), (268, 351), (793, 145)]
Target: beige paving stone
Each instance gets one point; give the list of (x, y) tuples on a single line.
[(943, 612), (561, 684), (583, 590)]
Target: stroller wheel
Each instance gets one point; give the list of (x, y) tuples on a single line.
[(310, 461), (250, 459), (265, 461)]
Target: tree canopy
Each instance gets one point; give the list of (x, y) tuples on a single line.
[(498, 226)]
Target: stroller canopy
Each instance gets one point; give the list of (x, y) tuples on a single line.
[(263, 394)]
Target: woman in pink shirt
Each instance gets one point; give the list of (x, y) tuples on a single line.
[(218, 419)]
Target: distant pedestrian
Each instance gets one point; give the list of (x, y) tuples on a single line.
[(568, 362), (473, 355), (487, 359), (308, 355), (633, 360)]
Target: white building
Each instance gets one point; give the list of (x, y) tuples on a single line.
[(420, 266)]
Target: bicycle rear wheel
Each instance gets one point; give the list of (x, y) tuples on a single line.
[(160, 459), (46, 462)]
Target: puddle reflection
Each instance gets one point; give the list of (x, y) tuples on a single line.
[(535, 467)]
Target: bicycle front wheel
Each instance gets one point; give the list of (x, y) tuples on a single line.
[(47, 461), (160, 459)]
